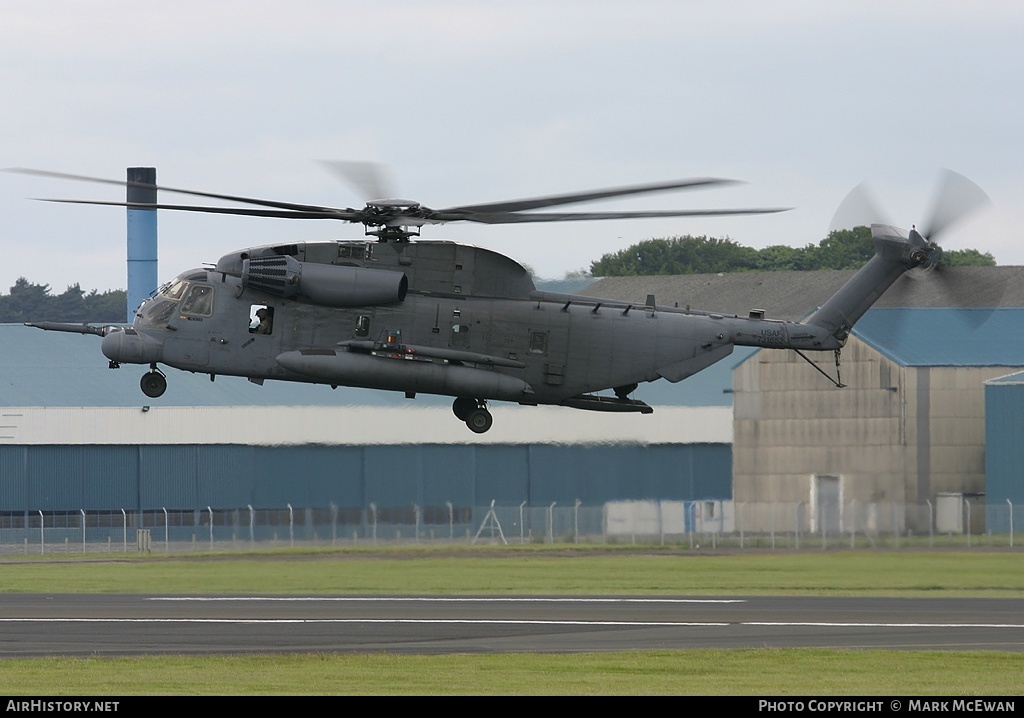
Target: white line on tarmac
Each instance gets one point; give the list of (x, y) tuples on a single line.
[(443, 599)]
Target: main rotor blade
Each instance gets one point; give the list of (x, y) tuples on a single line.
[(347, 215), (193, 193), (516, 218), (518, 205), (368, 178)]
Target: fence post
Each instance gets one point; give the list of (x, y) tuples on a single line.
[(83, 530), (522, 528), (967, 504), (416, 516), (210, 511), (167, 532), (124, 521), (373, 521), (42, 535), (1010, 503), (451, 521), (799, 511), (661, 522), (853, 523), (551, 522), (576, 522), (895, 525)]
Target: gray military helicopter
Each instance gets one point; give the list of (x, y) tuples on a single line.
[(397, 313)]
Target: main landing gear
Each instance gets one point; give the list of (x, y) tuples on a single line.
[(474, 413), (153, 382)]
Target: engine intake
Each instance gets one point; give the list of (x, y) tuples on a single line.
[(329, 285)]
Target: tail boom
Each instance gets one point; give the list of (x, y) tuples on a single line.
[(829, 326)]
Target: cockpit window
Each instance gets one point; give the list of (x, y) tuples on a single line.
[(199, 300), (174, 290), (157, 311)]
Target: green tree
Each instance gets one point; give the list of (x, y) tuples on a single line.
[(677, 255), (70, 305), (29, 302), (844, 249), (967, 258), (841, 249)]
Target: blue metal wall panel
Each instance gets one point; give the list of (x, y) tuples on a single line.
[(449, 474), (711, 471), (13, 478), (553, 475), (308, 475), (502, 475), (1004, 443), (597, 474), (54, 478), (69, 478), (341, 478), (224, 475), (168, 477), (110, 476), (393, 475)]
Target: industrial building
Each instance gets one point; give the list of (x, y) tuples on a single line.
[(908, 427)]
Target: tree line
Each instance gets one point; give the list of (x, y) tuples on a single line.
[(29, 302), (841, 249)]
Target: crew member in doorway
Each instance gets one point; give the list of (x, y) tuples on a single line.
[(266, 317)]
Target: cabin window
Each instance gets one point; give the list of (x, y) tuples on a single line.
[(199, 301), (261, 319), (347, 251), (539, 343), (362, 325)]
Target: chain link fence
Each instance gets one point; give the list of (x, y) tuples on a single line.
[(710, 524)]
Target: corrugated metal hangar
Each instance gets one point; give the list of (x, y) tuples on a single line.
[(909, 425)]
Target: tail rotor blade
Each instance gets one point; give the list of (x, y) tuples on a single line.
[(955, 198), (858, 209)]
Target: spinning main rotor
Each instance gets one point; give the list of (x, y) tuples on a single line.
[(391, 219)]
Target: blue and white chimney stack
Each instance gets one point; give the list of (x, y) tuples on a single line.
[(142, 249)]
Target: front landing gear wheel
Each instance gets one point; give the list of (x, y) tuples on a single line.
[(153, 384), (462, 406), (479, 420)]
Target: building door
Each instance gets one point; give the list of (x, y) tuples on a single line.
[(826, 501)]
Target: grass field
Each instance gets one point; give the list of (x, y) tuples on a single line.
[(550, 570)]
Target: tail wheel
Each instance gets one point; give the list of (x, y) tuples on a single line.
[(479, 420)]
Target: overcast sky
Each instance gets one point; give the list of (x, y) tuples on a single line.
[(468, 102)]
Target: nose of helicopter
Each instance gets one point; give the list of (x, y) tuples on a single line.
[(127, 345)]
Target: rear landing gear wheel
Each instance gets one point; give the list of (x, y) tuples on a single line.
[(153, 384), (479, 420)]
